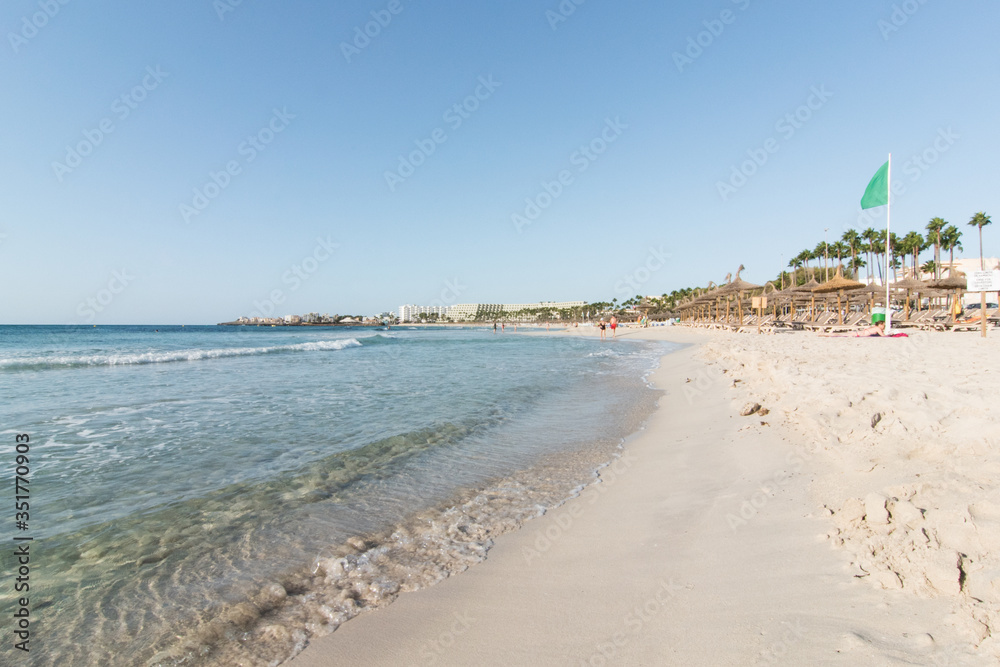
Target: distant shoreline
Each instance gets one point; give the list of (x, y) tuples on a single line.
[(377, 326), (299, 324)]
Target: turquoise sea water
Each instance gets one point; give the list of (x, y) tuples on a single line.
[(213, 495)]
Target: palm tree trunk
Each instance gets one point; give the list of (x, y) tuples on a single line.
[(937, 256), (982, 264)]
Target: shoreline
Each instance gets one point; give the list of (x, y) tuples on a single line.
[(719, 539)]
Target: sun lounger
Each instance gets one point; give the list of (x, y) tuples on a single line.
[(854, 322)]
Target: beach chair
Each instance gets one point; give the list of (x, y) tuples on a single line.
[(784, 320), (970, 324), (823, 321), (761, 323), (917, 319), (853, 322), (937, 319)]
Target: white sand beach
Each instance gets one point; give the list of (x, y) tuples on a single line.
[(853, 520)]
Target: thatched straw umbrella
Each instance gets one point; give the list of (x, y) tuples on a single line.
[(956, 281), (705, 300), (738, 286), (807, 288), (644, 306), (873, 291), (771, 296), (699, 300), (779, 297), (838, 284), (910, 284)]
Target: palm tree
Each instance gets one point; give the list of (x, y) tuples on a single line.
[(856, 264), (878, 249), (934, 228), (903, 246), (950, 239), (853, 241), (841, 249), (894, 243), (817, 256), (804, 257), (914, 243), (980, 220), (871, 237), (820, 252), (795, 264)]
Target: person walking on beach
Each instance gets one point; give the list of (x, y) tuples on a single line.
[(494, 327), (602, 328), (614, 325)]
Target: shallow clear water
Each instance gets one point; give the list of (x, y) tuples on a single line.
[(214, 494)]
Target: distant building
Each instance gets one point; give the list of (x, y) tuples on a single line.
[(412, 313), (465, 312)]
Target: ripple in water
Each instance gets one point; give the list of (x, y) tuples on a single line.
[(321, 510)]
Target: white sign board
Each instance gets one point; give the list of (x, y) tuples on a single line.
[(984, 281)]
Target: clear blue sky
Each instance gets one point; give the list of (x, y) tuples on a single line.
[(336, 123)]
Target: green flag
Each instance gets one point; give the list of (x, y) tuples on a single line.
[(877, 192)]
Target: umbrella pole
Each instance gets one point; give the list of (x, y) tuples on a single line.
[(840, 312)]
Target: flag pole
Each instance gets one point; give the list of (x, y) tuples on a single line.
[(888, 246)]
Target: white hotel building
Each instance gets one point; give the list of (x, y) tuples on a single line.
[(468, 311), (412, 313)]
